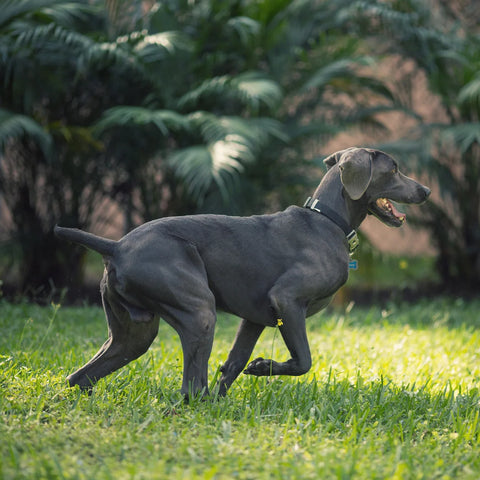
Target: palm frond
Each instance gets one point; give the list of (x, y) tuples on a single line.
[(254, 131), (245, 27), (323, 76), (252, 89), (406, 28), (15, 126), (416, 152), (193, 166), (203, 167), (71, 14), (406, 148), (369, 117), (230, 154), (54, 45), (154, 48), (164, 120), (13, 9), (52, 42), (230, 144), (211, 87), (469, 96), (464, 134), (108, 54), (375, 86)]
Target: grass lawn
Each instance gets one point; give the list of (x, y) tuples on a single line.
[(393, 394)]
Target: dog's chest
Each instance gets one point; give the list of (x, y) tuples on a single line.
[(317, 304)]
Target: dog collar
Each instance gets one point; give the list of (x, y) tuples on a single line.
[(350, 233)]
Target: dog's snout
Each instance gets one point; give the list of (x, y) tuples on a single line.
[(422, 194)]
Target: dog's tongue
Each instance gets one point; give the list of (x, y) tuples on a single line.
[(398, 214)]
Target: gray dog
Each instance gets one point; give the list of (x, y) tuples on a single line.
[(269, 270)]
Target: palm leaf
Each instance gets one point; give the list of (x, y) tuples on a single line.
[(464, 135), (252, 89), (417, 153), (108, 54), (71, 14), (213, 87), (230, 144), (469, 95), (255, 89), (15, 126), (54, 45), (154, 48), (324, 75), (13, 9), (194, 167), (407, 31), (201, 167), (246, 28), (52, 42), (164, 120), (255, 131), (362, 116)]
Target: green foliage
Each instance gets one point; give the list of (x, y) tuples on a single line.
[(164, 120), (13, 126), (393, 393), (216, 106), (447, 150), (187, 107), (251, 89)]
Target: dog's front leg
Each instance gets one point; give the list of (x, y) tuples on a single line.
[(294, 334), (245, 340)]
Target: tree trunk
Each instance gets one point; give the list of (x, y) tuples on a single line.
[(49, 265)]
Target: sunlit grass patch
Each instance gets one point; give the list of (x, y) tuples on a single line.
[(393, 393)]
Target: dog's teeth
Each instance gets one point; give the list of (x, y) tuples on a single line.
[(383, 203)]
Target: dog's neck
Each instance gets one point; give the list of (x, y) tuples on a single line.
[(330, 192)]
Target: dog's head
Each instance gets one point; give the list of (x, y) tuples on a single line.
[(372, 177)]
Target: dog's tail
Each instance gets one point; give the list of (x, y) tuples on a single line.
[(104, 246)]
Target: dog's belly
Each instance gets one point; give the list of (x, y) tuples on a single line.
[(256, 310)]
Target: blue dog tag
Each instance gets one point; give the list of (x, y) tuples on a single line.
[(353, 265)]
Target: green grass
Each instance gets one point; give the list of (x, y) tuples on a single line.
[(393, 394)]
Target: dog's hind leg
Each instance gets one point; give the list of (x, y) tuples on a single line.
[(245, 340), (127, 340), (196, 332)]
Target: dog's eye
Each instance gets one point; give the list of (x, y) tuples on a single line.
[(395, 169)]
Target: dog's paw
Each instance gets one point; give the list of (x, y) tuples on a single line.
[(260, 367)]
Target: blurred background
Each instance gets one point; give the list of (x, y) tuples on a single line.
[(116, 112)]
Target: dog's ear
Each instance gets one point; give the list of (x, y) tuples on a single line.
[(356, 171), (334, 158)]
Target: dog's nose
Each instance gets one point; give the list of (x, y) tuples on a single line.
[(427, 192)]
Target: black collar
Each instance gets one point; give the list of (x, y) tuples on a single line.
[(350, 233)]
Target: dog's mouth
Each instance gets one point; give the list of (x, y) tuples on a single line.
[(385, 211)]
